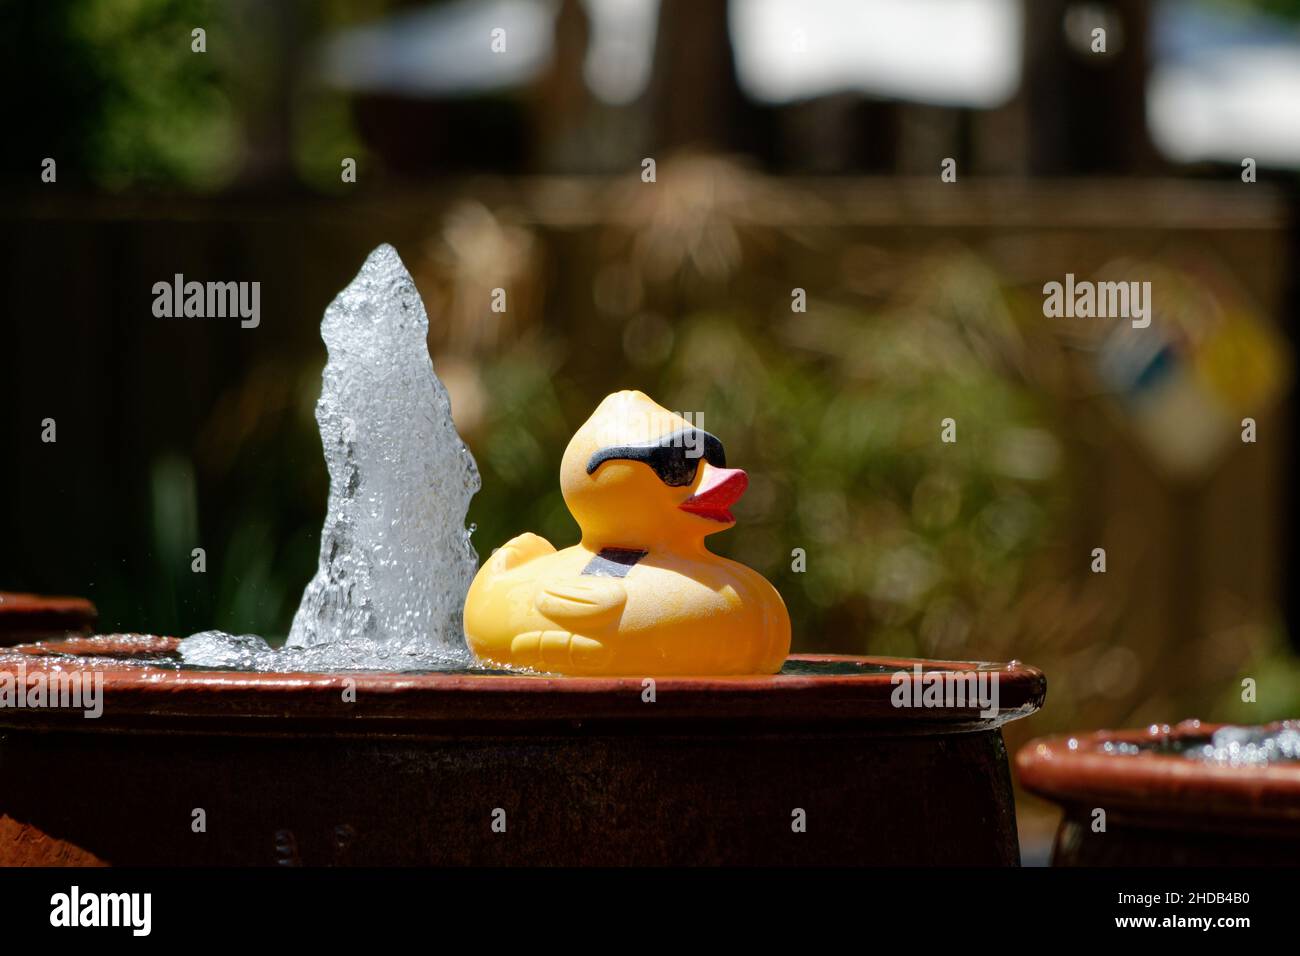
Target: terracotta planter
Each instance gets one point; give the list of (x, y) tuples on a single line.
[(1162, 808), (35, 617), (416, 768)]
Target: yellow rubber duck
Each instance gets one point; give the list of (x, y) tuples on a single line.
[(640, 595)]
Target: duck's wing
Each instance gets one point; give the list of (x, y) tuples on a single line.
[(582, 602)]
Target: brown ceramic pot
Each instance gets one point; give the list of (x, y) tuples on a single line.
[(395, 769), (1162, 808), (35, 617)]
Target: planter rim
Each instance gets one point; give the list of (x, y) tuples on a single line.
[(1074, 770), (167, 699), (33, 612)]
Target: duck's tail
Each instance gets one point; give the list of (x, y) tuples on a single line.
[(518, 550)]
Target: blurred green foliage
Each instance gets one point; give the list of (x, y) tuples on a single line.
[(116, 94), (1288, 9), (838, 414)]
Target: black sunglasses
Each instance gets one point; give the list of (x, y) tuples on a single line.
[(674, 458)]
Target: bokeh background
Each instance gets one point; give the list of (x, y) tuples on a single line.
[(797, 146)]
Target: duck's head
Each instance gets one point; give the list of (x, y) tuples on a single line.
[(636, 474)]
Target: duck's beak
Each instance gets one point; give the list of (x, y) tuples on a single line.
[(719, 490)]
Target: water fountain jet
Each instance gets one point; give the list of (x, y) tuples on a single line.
[(395, 558)]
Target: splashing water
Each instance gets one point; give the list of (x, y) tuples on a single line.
[(1228, 746), (395, 558), (1251, 746)]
